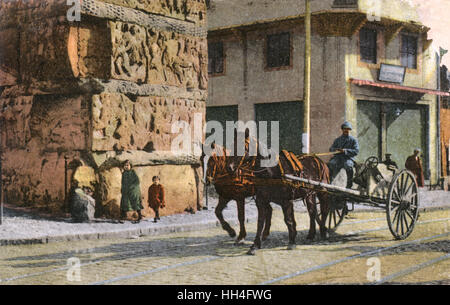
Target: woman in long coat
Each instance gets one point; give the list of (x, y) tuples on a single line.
[(131, 191)]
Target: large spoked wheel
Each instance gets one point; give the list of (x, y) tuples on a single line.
[(336, 214), (335, 217), (402, 208)]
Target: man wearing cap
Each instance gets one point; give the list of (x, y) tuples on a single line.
[(347, 147), (414, 164), (391, 164)]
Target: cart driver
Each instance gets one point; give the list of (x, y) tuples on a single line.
[(346, 148)]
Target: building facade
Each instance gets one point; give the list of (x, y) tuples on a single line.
[(371, 66)]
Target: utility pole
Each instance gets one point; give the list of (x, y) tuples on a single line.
[(307, 80)]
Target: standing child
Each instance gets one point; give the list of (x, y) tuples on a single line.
[(156, 197)]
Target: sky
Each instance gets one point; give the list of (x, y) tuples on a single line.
[(435, 14)]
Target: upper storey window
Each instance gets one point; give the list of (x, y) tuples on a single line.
[(278, 50), (368, 45), (215, 58), (408, 53)]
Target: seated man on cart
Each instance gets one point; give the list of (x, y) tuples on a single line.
[(347, 147)]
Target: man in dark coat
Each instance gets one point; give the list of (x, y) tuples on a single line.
[(131, 192), (347, 147), (414, 164), (156, 197), (389, 162)]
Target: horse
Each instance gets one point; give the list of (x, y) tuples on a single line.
[(230, 186), (271, 187)]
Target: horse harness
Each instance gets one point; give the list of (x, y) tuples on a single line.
[(245, 172)]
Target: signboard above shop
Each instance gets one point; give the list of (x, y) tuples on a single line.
[(392, 74)]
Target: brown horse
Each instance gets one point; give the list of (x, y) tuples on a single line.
[(230, 186), (271, 187)]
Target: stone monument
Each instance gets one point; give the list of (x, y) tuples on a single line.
[(87, 85)]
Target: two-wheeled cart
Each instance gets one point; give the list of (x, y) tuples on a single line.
[(379, 185)]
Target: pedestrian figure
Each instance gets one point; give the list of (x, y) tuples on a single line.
[(156, 197), (389, 162), (82, 203), (347, 147), (414, 164), (131, 192)]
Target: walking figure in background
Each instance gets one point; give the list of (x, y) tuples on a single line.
[(390, 164), (156, 197), (414, 164), (82, 203), (131, 193), (347, 148)]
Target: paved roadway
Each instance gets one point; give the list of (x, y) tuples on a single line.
[(362, 251)]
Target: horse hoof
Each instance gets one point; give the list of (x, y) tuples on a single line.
[(232, 234), (239, 242), (291, 246), (252, 251), (309, 241)]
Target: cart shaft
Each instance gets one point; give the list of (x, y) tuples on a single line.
[(338, 190)]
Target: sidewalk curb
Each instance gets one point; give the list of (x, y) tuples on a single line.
[(126, 233)]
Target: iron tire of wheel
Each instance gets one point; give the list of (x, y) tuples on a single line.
[(402, 207)]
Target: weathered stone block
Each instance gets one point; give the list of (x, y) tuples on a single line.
[(190, 10), (145, 124), (9, 61), (34, 177), (177, 60), (90, 49), (43, 50), (16, 119), (59, 123), (130, 53), (158, 57)]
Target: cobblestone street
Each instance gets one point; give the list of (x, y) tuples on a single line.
[(209, 256)]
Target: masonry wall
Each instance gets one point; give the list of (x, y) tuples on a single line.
[(247, 82), (77, 97)]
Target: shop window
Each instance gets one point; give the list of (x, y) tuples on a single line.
[(215, 58), (408, 53), (278, 50), (368, 45)]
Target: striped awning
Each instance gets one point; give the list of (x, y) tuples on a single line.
[(360, 82)]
